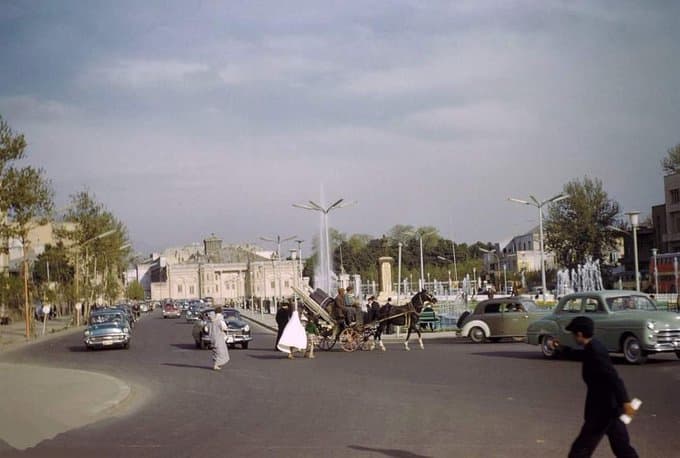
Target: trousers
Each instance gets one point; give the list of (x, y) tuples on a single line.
[(592, 432)]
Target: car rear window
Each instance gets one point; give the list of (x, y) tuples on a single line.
[(492, 308)]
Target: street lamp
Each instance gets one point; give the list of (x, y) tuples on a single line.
[(324, 257), (81, 245), (535, 203), (498, 260), (656, 271), (634, 217)]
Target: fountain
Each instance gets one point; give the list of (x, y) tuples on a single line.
[(586, 277)]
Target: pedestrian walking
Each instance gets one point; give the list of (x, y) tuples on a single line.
[(606, 400), (218, 339), (282, 317), (294, 337)]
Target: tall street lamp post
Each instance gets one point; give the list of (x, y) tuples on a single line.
[(399, 276), (634, 217), (656, 271), (84, 244), (535, 203), (313, 206)]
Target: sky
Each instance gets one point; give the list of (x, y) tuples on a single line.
[(187, 118)]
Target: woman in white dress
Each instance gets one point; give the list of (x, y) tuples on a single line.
[(218, 339), (294, 337)]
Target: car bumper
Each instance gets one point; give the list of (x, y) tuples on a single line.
[(171, 315), (106, 341), (235, 338)]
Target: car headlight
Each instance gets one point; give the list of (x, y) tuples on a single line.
[(205, 329), (126, 330), (651, 325), (87, 332), (246, 328)]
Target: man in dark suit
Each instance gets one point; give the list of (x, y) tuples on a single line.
[(606, 400), (282, 316)]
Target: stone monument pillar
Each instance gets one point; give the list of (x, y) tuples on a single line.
[(385, 263)]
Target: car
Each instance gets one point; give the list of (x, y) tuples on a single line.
[(193, 312), (171, 310), (125, 309), (238, 330), (626, 322), (107, 330), (495, 319)]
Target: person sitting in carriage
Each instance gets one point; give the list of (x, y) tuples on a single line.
[(352, 307)]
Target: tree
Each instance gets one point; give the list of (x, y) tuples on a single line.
[(671, 163), (26, 199), (580, 226), (135, 291), (104, 254)]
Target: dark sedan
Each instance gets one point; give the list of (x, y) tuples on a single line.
[(238, 332)]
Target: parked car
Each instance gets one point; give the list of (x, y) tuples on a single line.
[(238, 330), (495, 319), (107, 329), (626, 322), (171, 310)]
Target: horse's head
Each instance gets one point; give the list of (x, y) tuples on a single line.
[(421, 299)]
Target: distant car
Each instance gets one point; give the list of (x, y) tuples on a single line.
[(127, 310), (193, 312), (107, 330), (238, 330), (495, 319), (171, 310), (626, 322)]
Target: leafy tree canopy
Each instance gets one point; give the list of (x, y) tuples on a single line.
[(580, 226), (671, 163)]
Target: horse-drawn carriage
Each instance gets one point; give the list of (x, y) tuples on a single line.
[(357, 335)]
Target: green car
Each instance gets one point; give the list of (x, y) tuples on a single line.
[(626, 322)]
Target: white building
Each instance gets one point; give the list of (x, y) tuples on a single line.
[(228, 274), (523, 253)]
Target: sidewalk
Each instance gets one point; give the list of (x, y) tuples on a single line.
[(40, 402), (14, 335), (268, 321)]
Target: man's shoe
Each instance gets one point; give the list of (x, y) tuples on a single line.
[(216, 367)]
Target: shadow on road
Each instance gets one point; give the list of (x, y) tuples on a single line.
[(388, 452), (188, 366)]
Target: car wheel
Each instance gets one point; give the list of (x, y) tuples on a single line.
[(198, 344), (126, 345), (477, 335), (203, 345), (88, 348), (633, 352), (244, 345), (548, 346), (495, 339)]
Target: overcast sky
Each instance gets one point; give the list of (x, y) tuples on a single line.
[(186, 118)]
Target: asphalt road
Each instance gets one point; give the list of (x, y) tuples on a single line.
[(452, 399)]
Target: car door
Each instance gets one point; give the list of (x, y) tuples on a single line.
[(594, 309), (570, 310), (515, 319), (493, 318)]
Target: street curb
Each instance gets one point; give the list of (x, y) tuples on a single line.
[(10, 347), (259, 323)]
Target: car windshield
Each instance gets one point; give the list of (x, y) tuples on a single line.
[(231, 315), (105, 318), (617, 304)]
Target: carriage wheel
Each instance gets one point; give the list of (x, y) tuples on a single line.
[(350, 339), (326, 343)]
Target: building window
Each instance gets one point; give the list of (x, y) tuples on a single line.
[(179, 289), (675, 196), (191, 290), (272, 285), (286, 284)]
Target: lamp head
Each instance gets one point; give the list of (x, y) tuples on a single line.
[(634, 217)]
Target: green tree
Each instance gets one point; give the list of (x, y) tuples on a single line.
[(135, 291), (26, 196), (90, 220), (671, 163), (580, 226)]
